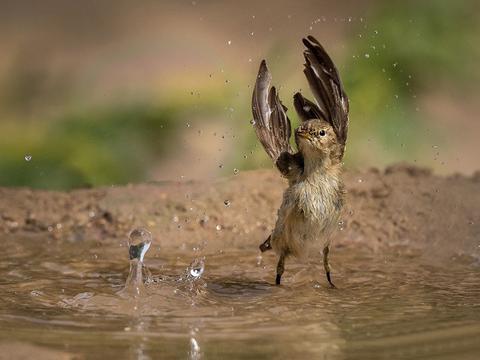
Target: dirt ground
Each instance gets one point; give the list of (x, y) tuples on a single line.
[(402, 206)]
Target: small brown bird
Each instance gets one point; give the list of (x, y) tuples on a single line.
[(311, 205)]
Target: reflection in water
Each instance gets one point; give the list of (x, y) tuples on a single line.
[(194, 353), (392, 304), (139, 347)]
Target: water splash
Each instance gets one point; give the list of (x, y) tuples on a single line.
[(196, 269), (139, 242)]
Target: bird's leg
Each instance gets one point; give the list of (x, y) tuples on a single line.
[(326, 265), (280, 268), (266, 245)]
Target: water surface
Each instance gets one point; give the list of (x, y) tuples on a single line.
[(61, 299)]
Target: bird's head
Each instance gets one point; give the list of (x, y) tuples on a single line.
[(316, 139)]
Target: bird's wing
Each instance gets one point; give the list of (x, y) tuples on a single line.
[(272, 125), (324, 81), (307, 109)]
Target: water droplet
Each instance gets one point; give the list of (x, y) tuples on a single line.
[(229, 42), (235, 171), (226, 202), (196, 268), (28, 157), (252, 122), (218, 227), (360, 180), (139, 241), (367, 55), (220, 166)]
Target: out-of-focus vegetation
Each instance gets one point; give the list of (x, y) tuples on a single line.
[(97, 147), (403, 51), (391, 59)]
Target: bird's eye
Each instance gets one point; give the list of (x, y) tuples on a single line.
[(322, 133)]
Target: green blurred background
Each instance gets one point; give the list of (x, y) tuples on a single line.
[(100, 93)]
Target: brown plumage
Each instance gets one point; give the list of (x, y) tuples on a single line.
[(312, 203)]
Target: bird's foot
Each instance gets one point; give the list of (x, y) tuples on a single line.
[(329, 278)]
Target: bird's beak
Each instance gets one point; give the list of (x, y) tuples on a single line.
[(302, 133)]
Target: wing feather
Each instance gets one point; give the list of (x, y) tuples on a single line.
[(306, 109), (327, 88), (272, 125)]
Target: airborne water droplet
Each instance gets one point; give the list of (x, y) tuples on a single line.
[(235, 171), (252, 122), (28, 157), (226, 203)]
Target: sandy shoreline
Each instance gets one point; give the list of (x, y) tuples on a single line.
[(403, 205)]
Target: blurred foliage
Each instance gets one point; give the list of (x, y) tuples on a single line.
[(405, 48), (97, 147)]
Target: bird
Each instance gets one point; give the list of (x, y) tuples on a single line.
[(312, 202)]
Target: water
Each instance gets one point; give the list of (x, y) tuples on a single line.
[(66, 298)]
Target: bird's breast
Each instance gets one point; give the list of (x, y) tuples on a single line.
[(317, 200)]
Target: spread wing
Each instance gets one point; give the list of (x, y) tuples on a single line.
[(324, 81), (272, 125)]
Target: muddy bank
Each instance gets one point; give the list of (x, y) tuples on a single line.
[(402, 206)]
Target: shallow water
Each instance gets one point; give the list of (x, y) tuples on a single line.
[(61, 299)]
